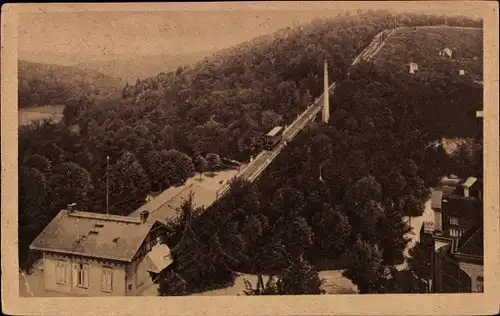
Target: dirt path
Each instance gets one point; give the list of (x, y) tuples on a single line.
[(416, 224)]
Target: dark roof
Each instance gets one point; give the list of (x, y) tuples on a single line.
[(473, 244), (448, 191), (92, 234), (462, 207)]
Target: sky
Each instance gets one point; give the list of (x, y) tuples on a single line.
[(175, 29)]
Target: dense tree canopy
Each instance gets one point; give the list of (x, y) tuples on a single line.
[(374, 170), (337, 184)]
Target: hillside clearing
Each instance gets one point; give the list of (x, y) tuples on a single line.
[(422, 46), (50, 112)]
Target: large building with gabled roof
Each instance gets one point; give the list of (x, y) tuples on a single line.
[(92, 254)]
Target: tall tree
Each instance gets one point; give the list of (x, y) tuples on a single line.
[(393, 232), (331, 232), (33, 211), (69, 183), (128, 183), (299, 237), (288, 202), (183, 164), (200, 165), (364, 267), (160, 169), (299, 278), (172, 284), (419, 261), (213, 161), (268, 288), (364, 190), (411, 205), (38, 162)]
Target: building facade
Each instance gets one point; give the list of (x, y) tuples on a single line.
[(91, 254), (456, 237)]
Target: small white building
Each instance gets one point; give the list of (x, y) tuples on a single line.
[(461, 72), (151, 196), (447, 52), (413, 68)]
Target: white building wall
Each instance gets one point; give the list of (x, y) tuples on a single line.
[(94, 276)]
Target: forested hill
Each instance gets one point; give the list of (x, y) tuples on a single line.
[(241, 92), (223, 105), (336, 196), (45, 84)]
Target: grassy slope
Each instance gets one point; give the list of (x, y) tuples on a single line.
[(421, 45)]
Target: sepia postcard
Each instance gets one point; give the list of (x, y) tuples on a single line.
[(250, 158)]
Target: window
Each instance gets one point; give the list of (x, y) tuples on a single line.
[(60, 272), (480, 284), (107, 279), (453, 220), (149, 243), (81, 275), (455, 232)]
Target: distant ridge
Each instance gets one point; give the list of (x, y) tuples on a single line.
[(129, 68), (45, 84)]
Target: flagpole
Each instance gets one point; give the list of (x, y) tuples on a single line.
[(107, 185)]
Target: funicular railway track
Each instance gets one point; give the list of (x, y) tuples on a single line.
[(252, 171)]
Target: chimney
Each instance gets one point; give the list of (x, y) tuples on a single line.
[(144, 216), (71, 207), (438, 217), (326, 95)]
